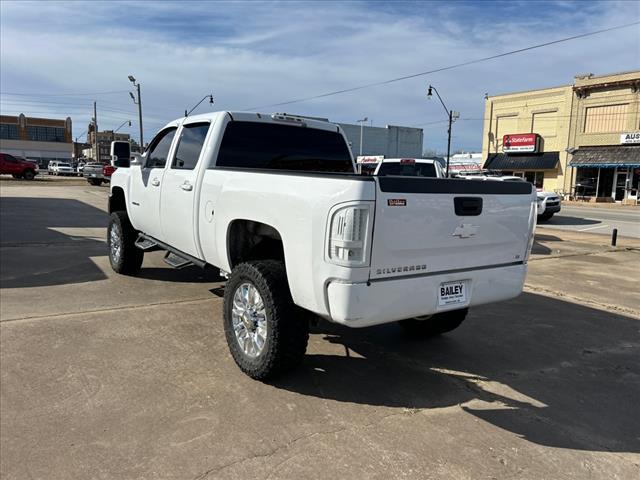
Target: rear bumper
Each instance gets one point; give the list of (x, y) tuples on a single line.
[(384, 301)]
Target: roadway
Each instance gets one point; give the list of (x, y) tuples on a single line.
[(601, 220)]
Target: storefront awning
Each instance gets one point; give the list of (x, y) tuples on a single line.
[(607, 157), (539, 161)]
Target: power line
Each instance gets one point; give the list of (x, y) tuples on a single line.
[(65, 94), (442, 69)]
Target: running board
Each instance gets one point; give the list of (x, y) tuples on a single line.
[(174, 257), (176, 261), (146, 244)]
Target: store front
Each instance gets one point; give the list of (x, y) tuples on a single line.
[(522, 156), (607, 174)]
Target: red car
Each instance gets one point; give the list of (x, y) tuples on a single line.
[(18, 167)]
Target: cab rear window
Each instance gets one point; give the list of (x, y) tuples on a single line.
[(408, 169), (283, 147)]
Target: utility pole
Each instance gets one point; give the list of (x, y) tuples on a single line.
[(449, 142), (452, 116), (139, 103), (361, 122), (95, 132)]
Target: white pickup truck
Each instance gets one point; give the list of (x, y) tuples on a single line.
[(273, 201)]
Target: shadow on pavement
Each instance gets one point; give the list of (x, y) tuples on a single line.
[(33, 253), (564, 220), (555, 373)]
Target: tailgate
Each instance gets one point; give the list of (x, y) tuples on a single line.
[(425, 226)]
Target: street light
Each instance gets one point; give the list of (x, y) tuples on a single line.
[(452, 117), (139, 103), (113, 133), (361, 122), (210, 97)]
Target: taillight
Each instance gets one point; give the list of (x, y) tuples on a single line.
[(533, 217), (108, 170), (349, 236)]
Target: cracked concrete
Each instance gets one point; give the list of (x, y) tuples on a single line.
[(106, 377)]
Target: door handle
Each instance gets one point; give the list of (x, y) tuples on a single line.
[(155, 182), (186, 186)]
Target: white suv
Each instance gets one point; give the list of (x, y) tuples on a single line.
[(60, 168)]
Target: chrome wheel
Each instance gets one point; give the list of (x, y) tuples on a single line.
[(115, 243), (249, 320)]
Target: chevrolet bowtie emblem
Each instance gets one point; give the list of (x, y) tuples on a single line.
[(465, 230)]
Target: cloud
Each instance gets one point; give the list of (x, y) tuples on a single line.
[(258, 53)]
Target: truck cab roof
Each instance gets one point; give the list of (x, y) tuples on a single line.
[(279, 118)]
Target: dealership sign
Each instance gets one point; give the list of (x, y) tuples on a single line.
[(370, 159), (633, 137), (520, 143)]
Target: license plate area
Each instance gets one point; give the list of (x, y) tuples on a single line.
[(452, 293)]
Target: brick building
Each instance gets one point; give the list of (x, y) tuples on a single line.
[(570, 139), (39, 139)]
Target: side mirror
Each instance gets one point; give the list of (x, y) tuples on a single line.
[(137, 159), (120, 153)]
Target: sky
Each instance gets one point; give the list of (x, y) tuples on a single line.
[(56, 58)]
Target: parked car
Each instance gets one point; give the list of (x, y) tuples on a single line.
[(406, 167), (60, 168), (93, 172), (18, 167), (548, 203), (275, 203)]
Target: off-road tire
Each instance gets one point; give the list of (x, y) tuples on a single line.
[(545, 217), (436, 324), (287, 324), (131, 257), (94, 182), (28, 175)]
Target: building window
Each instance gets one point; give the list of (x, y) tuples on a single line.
[(8, 131), (505, 125), (605, 119), (545, 123), (45, 134)]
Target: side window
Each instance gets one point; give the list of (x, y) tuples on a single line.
[(159, 149), (8, 158), (189, 146)]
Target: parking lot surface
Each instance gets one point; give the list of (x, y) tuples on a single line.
[(105, 376)]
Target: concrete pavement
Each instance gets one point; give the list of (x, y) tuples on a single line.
[(104, 376), (597, 220)]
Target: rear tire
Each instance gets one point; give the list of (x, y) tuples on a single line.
[(436, 324), (28, 175), (279, 329), (124, 256), (94, 182)]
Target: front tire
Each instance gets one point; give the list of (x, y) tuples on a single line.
[(124, 256), (266, 333), (435, 324), (28, 175), (545, 217)]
